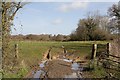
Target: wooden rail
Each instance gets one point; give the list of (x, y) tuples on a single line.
[(112, 55), (111, 64), (111, 60)]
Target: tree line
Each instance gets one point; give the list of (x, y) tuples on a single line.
[(41, 37), (48, 37), (93, 27)]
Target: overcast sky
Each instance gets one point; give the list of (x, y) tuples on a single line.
[(54, 17)]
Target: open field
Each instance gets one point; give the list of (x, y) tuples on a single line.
[(31, 52)]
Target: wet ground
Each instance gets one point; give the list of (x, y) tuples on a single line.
[(59, 68)]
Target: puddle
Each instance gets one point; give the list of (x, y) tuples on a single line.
[(38, 74), (76, 70), (74, 66), (42, 65), (67, 60)]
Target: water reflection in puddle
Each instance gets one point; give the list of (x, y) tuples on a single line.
[(67, 60), (76, 70), (74, 66), (38, 73)]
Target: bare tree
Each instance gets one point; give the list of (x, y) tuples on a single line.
[(9, 10), (93, 27), (114, 11)]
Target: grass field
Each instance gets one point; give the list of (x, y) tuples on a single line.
[(30, 52)]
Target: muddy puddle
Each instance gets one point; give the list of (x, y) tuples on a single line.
[(40, 72), (75, 71)]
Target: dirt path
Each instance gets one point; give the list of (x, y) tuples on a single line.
[(58, 69)]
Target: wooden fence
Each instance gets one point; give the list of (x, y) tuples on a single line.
[(108, 60)]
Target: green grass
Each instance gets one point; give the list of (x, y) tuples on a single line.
[(31, 51)]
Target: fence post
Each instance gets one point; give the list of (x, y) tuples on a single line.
[(93, 56), (94, 50), (16, 51), (108, 49), (108, 62)]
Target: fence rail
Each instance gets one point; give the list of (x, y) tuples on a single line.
[(112, 55), (108, 61), (111, 60)]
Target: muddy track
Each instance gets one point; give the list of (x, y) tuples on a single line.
[(60, 67)]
